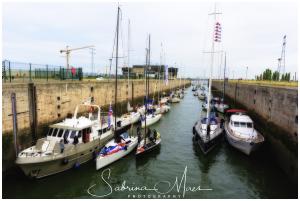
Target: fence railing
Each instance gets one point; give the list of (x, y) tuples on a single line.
[(26, 72)]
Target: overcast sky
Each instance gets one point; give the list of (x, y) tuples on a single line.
[(252, 34)]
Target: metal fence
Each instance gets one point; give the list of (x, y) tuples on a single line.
[(24, 72)]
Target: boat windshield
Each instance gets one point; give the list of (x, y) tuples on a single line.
[(243, 124), (212, 121), (50, 131), (249, 125), (54, 132), (236, 124)]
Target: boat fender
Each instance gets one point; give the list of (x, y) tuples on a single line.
[(76, 165), (125, 147), (65, 161)]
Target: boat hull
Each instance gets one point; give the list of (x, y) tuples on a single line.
[(175, 100), (82, 153), (152, 120), (156, 146), (244, 146), (101, 162), (206, 146)]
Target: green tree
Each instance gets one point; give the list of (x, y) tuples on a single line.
[(275, 76), (267, 74)]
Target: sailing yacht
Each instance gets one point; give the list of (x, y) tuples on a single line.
[(152, 138), (122, 144), (209, 129)]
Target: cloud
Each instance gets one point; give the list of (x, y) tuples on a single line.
[(251, 33)]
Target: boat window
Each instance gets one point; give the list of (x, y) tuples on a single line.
[(73, 133), (236, 124), (79, 134), (54, 132), (50, 131), (249, 125), (66, 134), (60, 133), (243, 124)]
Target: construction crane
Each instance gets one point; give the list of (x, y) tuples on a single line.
[(68, 51)]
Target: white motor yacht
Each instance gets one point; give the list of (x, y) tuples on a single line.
[(240, 132)]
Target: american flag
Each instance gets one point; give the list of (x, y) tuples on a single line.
[(217, 32), (110, 113)]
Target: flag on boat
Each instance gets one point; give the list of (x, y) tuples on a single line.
[(110, 113), (166, 75), (217, 32)]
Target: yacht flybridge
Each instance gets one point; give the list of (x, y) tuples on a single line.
[(67, 144)]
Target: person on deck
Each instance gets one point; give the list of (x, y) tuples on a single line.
[(62, 146)]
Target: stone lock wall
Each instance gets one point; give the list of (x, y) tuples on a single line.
[(55, 100)]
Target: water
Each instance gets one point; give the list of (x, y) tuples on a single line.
[(227, 172)]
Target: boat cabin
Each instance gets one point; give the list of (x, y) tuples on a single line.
[(241, 121)]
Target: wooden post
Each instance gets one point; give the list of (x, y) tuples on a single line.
[(15, 121), (235, 94), (32, 111)]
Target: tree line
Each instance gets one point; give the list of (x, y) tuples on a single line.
[(275, 76)]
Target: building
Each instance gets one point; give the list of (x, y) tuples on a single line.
[(155, 71)]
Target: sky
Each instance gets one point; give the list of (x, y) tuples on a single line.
[(181, 34)]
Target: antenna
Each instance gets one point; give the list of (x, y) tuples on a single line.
[(92, 59), (281, 60)]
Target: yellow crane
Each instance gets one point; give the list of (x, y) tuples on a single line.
[(68, 51)]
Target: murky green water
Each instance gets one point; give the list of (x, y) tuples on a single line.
[(224, 173)]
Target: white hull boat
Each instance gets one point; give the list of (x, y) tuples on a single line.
[(240, 133), (221, 107), (164, 100), (175, 100), (151, 119), (130, 118), (76, 137), (207, 141), (116, 151)]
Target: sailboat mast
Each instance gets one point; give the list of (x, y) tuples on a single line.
[(116, 80), (148, 65), (224, 79), (212, 64), (128, 55)]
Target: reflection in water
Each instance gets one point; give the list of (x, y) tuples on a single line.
[(144, 160)]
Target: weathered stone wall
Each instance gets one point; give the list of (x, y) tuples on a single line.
[(56, 100)]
